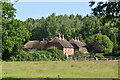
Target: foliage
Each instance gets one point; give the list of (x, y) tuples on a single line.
[(116, 54), (53, 54), (23, 56), (108, 8), (109, 11), (91, 25), (107, 44), (56, 53), (52, 25), (41, 56), (14, 34), (79, 54), (94, 47), (99, 55)]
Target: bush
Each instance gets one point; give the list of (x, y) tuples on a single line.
[(23, 56), (104, 59), (99, 55), (52, 54), (116, 54), (41, 56), (56, 53)]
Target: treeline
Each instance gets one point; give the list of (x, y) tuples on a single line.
[(103, 28), (69, 25)]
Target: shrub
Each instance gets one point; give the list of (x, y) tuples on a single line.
[(23, 56), (56, 53), (41, 55), (52, 54), (99, 55), (116, 54)]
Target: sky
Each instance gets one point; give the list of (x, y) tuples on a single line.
[(37, 10)]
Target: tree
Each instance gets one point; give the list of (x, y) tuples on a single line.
[(30, 24), (13, 32), (107, 44), (109, 11), (94, 47), (91, 25), (108, 8)]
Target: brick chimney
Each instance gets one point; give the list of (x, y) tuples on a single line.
[(75, 39), (63, 37), (43, 39), (59, 36), (78, 39)]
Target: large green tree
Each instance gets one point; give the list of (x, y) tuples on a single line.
[(109, 11), (91, 25), (107, 44), (109, 8), (13, 31)]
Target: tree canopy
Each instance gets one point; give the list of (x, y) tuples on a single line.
[(107, 44), (13, 31), (110, 13), (109, 8)]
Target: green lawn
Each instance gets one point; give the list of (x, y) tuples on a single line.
[(62, 69)]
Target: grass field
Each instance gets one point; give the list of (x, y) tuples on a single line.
[(62, 69)]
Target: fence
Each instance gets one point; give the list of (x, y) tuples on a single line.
[(78, 58)]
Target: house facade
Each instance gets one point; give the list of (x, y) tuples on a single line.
[(61, 43)]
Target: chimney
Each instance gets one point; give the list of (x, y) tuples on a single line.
[(78, 39), (75, 39), (59, 36), (72, 38), (63, 37), (43, 39)]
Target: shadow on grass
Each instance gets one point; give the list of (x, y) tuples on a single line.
[(59, 79)]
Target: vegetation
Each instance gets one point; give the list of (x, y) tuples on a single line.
[(56, 53), (99, 55), (14, 34), (107, 44), (60, 69), (110, 18), (94, 47), (52, 54)]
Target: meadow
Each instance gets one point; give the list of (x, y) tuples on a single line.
[(60, 69)]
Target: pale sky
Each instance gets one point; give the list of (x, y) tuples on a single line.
[(37, 10)]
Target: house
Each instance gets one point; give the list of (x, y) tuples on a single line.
[(61, 43), (35, 45), (68, 47), (78, 45)]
